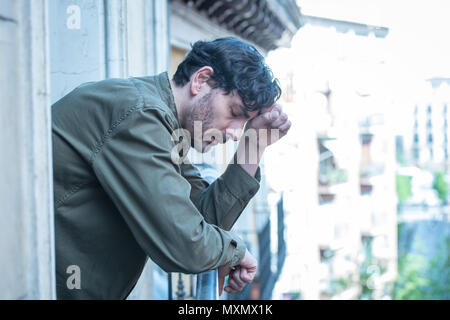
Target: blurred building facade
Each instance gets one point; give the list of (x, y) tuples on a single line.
[(428, 140), (341, 234), (49, 48)]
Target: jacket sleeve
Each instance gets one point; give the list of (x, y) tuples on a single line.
[(222, 201), (135, 168)]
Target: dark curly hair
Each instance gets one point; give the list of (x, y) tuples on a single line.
[(237, 66)]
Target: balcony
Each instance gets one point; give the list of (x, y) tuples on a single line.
[(329, 174), (328, 178), (203, 286)]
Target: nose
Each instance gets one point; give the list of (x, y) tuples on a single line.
[(233, 133)]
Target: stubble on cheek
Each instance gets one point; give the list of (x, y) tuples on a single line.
[(202, 114)]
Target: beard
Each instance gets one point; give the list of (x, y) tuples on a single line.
[(200, 112)]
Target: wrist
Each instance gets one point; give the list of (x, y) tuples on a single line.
[(249, 152)]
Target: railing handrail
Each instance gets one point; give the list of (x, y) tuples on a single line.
[(208, 285)]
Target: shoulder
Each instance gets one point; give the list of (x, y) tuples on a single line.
[(94, 112)]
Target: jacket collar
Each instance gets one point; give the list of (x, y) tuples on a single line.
[(167, 94)]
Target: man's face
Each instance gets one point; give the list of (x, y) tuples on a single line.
[(215, 117)]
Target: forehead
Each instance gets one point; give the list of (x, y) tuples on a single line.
[(233, 97), (235, 101)]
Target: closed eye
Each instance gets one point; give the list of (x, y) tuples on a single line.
[(233, 114), (241, 114)]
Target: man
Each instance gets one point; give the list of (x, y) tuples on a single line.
[(119, 195)]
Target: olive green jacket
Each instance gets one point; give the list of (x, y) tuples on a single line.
[(119, 198)]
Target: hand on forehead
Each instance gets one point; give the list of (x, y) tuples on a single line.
[(275, 107)]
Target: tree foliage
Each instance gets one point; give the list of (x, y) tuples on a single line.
[(418, 279), (441, 186), (403, 185)]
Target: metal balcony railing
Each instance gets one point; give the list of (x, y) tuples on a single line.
[(203, 286), (208, 285)]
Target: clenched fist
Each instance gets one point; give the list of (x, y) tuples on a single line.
[(238, 278), (272, 119)]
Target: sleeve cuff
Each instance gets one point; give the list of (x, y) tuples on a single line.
[(241, 184), (236, 252)]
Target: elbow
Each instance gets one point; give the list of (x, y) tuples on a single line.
[(192, 263), (195, 269), (196, 266), (184, 267)]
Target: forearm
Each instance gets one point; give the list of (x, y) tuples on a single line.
[(248, 156), (222, 201)]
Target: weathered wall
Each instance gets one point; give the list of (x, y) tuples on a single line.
[(26, 231), (47, 48)]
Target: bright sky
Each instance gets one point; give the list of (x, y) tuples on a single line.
[(419, 36), (417, 46)]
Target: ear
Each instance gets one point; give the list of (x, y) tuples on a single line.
[(200, 79)]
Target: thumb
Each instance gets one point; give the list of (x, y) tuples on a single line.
[(245, 275), (221, 281), (270, 116), (223, 272), (261, 121)]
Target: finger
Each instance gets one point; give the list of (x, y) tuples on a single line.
[(221, 285), (261, 121), (269, 116), (223, 272), (279, 121), (233, 284), (277, 107), (221, 281), (230, 289), (245, 276), (274, 107), (286, 126), (237, 278)]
